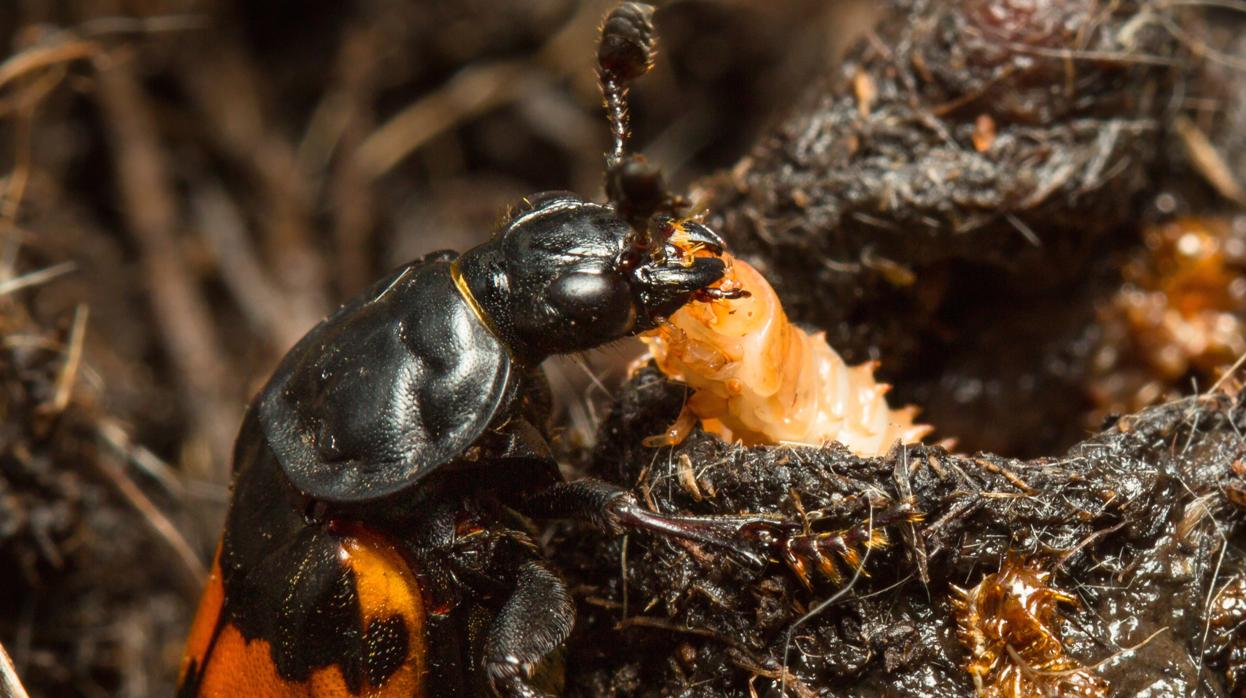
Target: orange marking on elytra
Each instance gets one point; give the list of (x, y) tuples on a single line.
[(234, 666)]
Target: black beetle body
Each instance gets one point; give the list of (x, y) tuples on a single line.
[(402, 380), (417, 412), (377, 540)]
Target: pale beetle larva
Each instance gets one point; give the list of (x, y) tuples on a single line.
[(758, 378)]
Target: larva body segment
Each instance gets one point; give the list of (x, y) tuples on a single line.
[(760, 379), (837, 554)]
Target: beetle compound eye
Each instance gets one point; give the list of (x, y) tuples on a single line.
[(601, 300)]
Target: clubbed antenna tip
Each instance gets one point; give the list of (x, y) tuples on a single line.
[(625, 52), (627, 41)]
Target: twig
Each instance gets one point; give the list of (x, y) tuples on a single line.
[(902, 476), (160, 524), (1208, 161), (664, 624), (10, 684), (350, 186), (1075, 54), (68, 45), (73, 359), (1211, 588), (474, 91), (15, 184), (38, 57), (115, 436), (1236, 5), (1014, 479), (226, 93), (1198, 46), (1237, 365), (262, 301), (35, 278), (1088, 540)]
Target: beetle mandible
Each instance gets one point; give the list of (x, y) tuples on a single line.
[(373, 543)]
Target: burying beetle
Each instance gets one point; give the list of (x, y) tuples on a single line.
[(372, 544)]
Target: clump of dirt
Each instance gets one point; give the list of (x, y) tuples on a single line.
[(1130, 523), (954, 188)]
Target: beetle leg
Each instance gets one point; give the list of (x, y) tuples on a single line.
[(533, 622), (614, 509), (676, 432)]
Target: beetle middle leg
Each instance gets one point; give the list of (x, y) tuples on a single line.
[(518, 609), (613, 508), (533, 622), (757, 538)]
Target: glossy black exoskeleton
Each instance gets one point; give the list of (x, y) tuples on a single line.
[(443, 353), (404, 436)]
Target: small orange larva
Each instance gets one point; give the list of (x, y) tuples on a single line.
[(1179, 315), (1226, 640), (759, 379), (1009, 624), (811, 552)]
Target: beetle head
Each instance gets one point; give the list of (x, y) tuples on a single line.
[(564, 275)]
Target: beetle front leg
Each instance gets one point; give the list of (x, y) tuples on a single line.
[(615, 509), (533, 622)]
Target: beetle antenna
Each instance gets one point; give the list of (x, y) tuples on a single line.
[(624, 53), (634, 186)]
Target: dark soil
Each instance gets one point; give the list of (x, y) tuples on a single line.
[(1133, 523)]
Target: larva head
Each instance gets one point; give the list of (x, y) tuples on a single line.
[(564, 275)]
